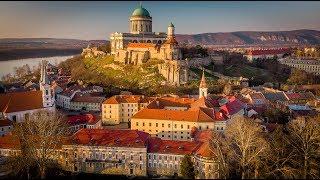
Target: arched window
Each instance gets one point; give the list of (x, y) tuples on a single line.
[(148, 41), (141, 27), (136, 29)]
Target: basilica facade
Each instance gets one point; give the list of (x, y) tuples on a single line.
[(141, 45)]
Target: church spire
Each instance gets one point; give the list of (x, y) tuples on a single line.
[(203, 89), (44, 77), (203, 83)]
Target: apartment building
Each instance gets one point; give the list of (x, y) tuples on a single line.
[(121, 108)]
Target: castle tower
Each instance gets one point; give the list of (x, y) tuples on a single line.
[(140, 21), (170, 33), (47, 94), (203, 89)]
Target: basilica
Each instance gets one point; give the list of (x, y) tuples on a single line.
[(141, 45)]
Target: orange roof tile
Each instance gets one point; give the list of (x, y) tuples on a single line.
[(205, 150), (156, 145), (164, 114), (5, 122), (171, 40), (20, 101), (128, 99), (110, 138), (9, 142), (80, 97), (163, 102)]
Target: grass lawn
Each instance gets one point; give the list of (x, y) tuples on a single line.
[(199, 73)]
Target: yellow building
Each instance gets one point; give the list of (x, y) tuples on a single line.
[(121, 108)]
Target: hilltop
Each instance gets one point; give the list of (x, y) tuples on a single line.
[(271, 38)]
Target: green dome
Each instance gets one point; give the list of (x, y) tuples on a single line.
[(140, 11)]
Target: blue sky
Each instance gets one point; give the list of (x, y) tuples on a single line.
[(96, 20)]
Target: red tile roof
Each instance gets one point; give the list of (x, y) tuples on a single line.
[(197, 115), (82, 119), (5, 122), (20, 101), (268, 51), (300, 96), (88, 98), (156, 145), (9, 142), (111, 138), (128, 99), (170, 101), (205, 150), (233, 106)]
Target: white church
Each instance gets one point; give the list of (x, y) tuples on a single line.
[(18, 106)]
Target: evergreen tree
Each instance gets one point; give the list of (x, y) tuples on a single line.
[(187, 168)]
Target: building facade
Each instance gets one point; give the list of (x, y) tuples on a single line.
[(120, 108), (123, 152), (140, 28), (310, 66), (141, 45)]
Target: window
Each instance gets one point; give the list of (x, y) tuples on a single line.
[(207, 127), (168, 125), (14, 118), (149, 124), (162, 125), (137, 124), (142, 124), (188, 126), (181, 126), (156, 124), (175, 125)]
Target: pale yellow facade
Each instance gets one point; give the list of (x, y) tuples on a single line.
[(171, 129), (119, 113)]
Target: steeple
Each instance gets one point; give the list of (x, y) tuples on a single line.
[(44, 77), (203, 83), (203, 89), (47, 93)]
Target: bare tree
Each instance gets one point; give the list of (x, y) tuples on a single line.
[(220, 149), (304, 138), (279, 157), (40, 136), (247, 146)]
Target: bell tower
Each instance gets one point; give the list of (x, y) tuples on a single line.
[(47, 94), (203, 89)]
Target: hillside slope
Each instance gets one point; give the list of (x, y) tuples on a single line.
[(296, 37)]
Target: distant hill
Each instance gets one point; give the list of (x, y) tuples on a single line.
[(296, 37), (17, 48)]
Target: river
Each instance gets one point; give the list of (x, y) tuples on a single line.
[(7, 67)]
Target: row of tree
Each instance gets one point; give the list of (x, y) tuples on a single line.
[(290, 151)]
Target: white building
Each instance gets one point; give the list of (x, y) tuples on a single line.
[(18, 106), (310, 66)]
